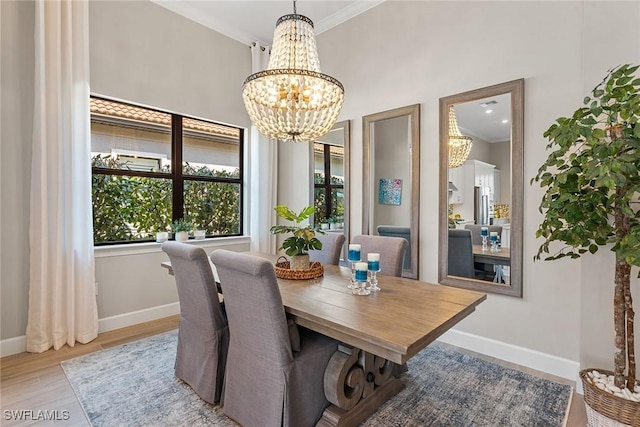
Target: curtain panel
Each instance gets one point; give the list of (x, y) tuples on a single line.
[(62, 300), (263, 161)]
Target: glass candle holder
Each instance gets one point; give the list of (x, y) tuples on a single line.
[(493, 238), (353, 256), (484, 233), (361, 285), (373, 265)]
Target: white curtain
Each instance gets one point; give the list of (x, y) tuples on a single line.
[(62, 301), (264, 173)]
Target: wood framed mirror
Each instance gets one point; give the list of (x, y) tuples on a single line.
[(485, 190), (330, 197), (391, 178)]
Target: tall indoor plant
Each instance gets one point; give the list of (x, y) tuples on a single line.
[(592, 180), (303, 238)]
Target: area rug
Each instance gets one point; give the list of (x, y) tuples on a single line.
[(134, 385)]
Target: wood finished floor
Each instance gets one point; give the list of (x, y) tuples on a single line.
[(36, 381)]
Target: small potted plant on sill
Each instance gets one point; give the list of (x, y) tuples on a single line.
[(333, 223), (324, 223), (303, 239), (592, 180), (181, 228)]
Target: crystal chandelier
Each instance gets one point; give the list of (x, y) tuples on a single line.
[(292, 100), (459, 145)]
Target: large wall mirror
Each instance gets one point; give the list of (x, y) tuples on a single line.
[(330, 172), (481, 193), (391, 199)]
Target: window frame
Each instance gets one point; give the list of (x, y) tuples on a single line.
[(327, 185), (177, 177)]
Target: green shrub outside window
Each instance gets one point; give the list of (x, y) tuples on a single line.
[(134, 195)]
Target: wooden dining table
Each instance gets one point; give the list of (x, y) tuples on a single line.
[(378, 332), (487, 257)]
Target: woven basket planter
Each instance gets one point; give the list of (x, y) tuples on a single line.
[(283, 270), (606, 410)]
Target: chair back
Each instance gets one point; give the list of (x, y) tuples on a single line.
[(476, 238), (397, 231), (460, 254), (392, 251), (332, 244), (196, 286), (203, 333), (254, 306)]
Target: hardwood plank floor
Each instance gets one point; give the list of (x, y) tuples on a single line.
[(36, 382)]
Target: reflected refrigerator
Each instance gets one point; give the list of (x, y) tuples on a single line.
[(482, 205)]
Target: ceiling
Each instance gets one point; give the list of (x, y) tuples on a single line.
[(488, 119), (249, 21)]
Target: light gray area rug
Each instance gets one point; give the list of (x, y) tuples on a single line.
[(134, 385)]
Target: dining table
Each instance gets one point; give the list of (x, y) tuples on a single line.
[(378, 333), (498, 260), (486, 256)]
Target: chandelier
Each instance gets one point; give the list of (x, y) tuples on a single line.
[(292, 100), (459, 145)]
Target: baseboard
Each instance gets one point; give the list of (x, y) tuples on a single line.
[(19, 344), (13, 346), (533, 359), (135, 317)]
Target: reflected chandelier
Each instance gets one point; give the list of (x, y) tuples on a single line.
[(292, 100), (459, 145)]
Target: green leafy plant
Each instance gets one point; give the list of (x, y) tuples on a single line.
[(592, 180), (304, 238), (134, 208), (181, 225)]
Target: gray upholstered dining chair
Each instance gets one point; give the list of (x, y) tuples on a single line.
[(203, 334), (332, 244), (397, 231), (392, 251), (275, 369), (460, 254), (476, 238)]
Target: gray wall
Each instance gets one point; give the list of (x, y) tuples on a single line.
[(566, 308), (16, 121), (560, 51), (139, 52), (392, 160)]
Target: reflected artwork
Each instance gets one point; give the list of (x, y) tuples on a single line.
[(390, 191)]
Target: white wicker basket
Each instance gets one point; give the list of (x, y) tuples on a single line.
[(596, 419)]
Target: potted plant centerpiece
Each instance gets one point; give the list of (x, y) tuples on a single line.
[(181, 228), (303, 238), (592, 180)]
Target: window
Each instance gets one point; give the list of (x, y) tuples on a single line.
[(328, 182), (151, 168)]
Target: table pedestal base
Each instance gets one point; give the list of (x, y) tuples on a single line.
[(357, 383)]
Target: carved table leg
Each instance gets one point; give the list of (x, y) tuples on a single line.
[(356, 383)]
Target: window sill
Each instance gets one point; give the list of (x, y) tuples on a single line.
[(153, 247)]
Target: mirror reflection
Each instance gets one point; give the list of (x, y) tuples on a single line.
[(330, 180), (391, 178), (481, 139)]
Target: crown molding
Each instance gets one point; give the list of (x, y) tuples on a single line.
[(191, 11), (344, 14)]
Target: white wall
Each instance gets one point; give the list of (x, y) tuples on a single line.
[(142, 53), (401, 53)]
